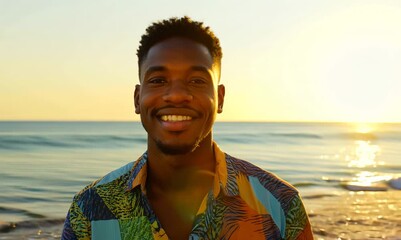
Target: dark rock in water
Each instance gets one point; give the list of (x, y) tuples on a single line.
[(320, 231), (6, 227), (355, 186), (395, 183)]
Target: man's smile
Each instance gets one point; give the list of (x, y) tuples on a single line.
[(175, 123), (175, 118), (175, 114)]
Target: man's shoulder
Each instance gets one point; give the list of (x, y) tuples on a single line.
[(106, 198), (260, 178), (115, 178), (264, 191), (117, 173)]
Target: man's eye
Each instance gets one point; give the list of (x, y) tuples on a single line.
[(157, 81), (198, 81)]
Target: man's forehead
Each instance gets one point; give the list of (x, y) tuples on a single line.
[(172, 47), (179, 51)]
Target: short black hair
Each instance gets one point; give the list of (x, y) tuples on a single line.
[(179, 27)]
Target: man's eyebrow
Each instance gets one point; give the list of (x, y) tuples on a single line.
[(153, 69), (200, 69)]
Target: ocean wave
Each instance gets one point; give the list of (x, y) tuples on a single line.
[(6, 227), (297, 135), (389, 168), (317, 196), (369, 136), (377, 183), (247, 138), (21, 142), (8, 210), (304, 184), (362, 136)]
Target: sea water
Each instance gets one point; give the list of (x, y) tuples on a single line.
[(43, 164)]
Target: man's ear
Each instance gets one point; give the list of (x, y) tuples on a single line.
[(221, 92), (136, 98)]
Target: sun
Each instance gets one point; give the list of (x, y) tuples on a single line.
[(365, 128)]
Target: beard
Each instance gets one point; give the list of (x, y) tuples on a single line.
[(177, 149)]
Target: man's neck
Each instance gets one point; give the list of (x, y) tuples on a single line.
[(177, 184), (183, 171)]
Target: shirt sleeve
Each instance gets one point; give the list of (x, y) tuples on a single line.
[(297, 221), (76, 225)]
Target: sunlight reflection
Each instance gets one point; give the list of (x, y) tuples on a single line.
[(366, 178), (364, 155)]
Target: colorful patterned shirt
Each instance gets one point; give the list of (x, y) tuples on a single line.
[(245, 202)]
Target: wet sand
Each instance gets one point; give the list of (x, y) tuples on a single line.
[(40, 229), (356, 215), (39, 232), (347, 215)]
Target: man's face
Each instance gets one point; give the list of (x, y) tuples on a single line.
[(179, 95)]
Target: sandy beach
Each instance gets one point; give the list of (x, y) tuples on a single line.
[(348, 215), (356, 215)]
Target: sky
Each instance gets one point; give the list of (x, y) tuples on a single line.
[(309, 60)]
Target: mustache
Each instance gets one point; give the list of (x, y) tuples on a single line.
[(177, 110)]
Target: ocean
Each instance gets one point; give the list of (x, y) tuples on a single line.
[(43, 164)]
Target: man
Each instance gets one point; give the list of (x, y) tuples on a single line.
[(184, 186)]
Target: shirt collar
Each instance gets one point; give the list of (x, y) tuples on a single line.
[(220, 175), (139, 172)]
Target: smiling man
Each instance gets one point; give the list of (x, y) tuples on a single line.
[(184, 186)]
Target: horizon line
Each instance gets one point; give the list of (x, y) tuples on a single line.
[(217, 121)]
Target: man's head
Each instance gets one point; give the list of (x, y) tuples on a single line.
[(179, 94), (183, 28)]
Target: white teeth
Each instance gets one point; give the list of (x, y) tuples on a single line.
[(175, 118)]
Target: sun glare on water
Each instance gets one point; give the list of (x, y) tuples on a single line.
[(364, 156), (366, 178), (364, 152)]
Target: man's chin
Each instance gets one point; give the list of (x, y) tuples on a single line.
[(176, 149)]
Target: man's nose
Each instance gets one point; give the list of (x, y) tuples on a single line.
[(177, 93)]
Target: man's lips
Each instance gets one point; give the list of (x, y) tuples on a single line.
[(175, 123), (173, 114), (176, 119)]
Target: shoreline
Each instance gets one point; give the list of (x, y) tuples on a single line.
[(345, 215), (35, 229)]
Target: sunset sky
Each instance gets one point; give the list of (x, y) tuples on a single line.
[(308, 60)]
